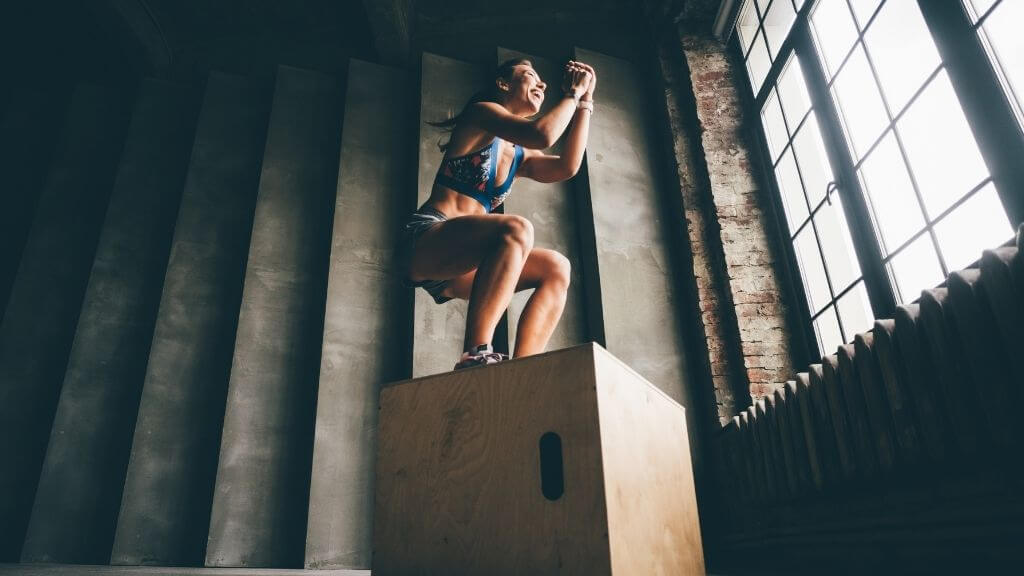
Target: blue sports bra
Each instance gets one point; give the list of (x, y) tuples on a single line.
[(474, 174)]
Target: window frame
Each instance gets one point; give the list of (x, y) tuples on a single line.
[(990, 115)]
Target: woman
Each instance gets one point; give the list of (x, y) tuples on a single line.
[(454, 246)]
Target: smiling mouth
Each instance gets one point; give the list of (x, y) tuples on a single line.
[(537, 93)]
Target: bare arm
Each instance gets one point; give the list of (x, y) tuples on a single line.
[(550, 168), (538, 133)]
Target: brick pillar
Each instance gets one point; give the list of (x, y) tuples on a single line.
[(731, 230)]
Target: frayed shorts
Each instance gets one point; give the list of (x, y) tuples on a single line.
[(419, 222)]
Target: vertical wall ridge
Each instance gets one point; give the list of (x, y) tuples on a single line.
[(261, 494)]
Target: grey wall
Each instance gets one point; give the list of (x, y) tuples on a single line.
[(79, 491), (37, 330), (260, 497), (364, 317), (177, 431), (641, 306), (445, 86)]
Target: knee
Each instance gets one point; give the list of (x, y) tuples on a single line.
[(518, 231), (560, 272)]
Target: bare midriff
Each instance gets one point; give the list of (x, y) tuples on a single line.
[(453, 204)]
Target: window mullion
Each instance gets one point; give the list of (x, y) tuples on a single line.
[(855, 207), (989, 114)]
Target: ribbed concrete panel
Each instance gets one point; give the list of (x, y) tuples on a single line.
[(439, 330), (363, 320), (36, 332), (165, 508), (640, 304), (552, 209), (79, 491), (261, 494), (28, 133)]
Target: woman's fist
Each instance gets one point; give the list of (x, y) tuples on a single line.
[(578, 76)]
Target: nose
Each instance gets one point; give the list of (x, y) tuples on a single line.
[(542, 85)]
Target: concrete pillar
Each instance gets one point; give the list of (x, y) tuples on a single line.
[(445, 87), (261, 494), (640, 304), (79, 491), (552, 209), (367, 310), (28, 133), (36, 331), (165, 507)]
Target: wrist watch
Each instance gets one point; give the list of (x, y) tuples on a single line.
[(575, 93)]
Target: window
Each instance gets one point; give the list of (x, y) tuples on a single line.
[(880, 176)]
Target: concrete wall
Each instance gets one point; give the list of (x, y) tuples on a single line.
[(79, 490), (37, 330), (259, 505), (178, 425), (365, 316), (445, 86)]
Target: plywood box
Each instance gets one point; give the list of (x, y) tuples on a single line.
[(461, 488)]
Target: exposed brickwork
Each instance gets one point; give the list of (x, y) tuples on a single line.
[(752, 282), (724, 357)]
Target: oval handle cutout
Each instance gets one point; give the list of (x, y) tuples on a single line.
[(552, 482)]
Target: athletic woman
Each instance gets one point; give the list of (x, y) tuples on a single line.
[(455, 246)]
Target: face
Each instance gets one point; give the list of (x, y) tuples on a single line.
[(525, 91)]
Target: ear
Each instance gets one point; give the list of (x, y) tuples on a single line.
[(501, 84)]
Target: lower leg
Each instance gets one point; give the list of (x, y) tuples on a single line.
[(493, 288), (539, 318)]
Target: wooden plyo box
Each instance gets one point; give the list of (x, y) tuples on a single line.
[(461, 489)]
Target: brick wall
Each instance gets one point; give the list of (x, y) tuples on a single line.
[(730, 224)]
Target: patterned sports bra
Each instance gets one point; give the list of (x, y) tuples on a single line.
[(474, 174)]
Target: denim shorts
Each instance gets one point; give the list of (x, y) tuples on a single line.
[(419, 222)]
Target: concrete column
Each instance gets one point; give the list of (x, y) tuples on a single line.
[(366, 312), (445, 87), (165, 507), (640, 304), (36, 331), (261, 494), (552, 209), (79, 491), (28, 133)]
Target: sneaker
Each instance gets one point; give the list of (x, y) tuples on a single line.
[(478, 356)]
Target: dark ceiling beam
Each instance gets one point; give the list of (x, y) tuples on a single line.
[(137, 21), (391, 21)]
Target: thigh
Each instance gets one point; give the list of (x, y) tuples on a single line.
[(540, 263), (454, 247)]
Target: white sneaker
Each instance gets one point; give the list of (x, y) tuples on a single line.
[(478, 356)]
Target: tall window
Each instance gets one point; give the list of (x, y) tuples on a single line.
[(884, 187)]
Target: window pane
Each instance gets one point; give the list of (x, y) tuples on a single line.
[(975, 225), (894, 205), (826, 328), (1003, 31), (811, 269), (902, 51), (793, 92), (777, 23), (814, 164), (746, 26), (758, 63), (915, 268), (834, 32), (836, 245), (859, 102), (855, 311), (863, 9), (943, 155), (792, 192), (977, 8), (774, 126)]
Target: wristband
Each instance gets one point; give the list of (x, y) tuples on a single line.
[(587, 105)]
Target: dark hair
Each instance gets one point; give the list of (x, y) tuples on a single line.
[(488, 94)]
